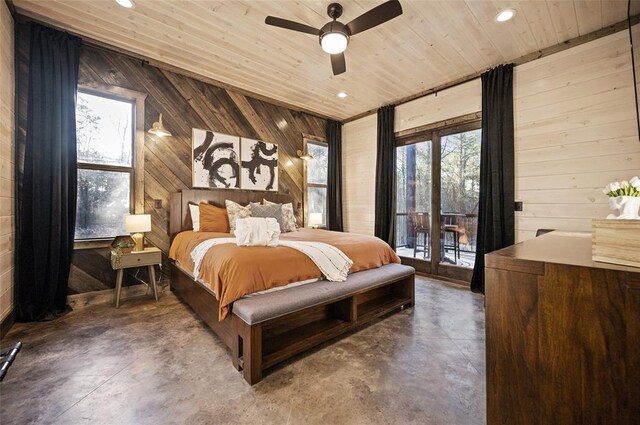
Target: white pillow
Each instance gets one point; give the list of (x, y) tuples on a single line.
[(257, 231), (195, 217)]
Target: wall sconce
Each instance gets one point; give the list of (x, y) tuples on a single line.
[(157, 129), (304, 156)]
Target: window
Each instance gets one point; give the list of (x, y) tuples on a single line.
[(413, 199), (105, 144), (316, 179), (437, 188), (460, 195)]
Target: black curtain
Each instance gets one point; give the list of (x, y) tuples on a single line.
[(47, 201), (385, 226), (496, 217), (334, 177)]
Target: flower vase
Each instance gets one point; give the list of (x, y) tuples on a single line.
[(628, 207)]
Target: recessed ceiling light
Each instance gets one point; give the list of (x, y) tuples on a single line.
[(342, 95), (125, 3), (505, 15)]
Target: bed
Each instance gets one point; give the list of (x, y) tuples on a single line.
[(264, 329)]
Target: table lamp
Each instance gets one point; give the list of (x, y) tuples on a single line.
[(138, 224), (315, 220)]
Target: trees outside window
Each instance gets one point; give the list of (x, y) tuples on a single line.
[(316, 171), (105, 147), (438, 188), (460, 171)]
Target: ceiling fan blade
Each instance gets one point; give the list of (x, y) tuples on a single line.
[(338, 63), (376, 16), (290, 25)]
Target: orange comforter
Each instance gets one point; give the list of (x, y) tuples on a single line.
[(235, 271)]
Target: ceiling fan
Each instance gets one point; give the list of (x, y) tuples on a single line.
[(334, 36)]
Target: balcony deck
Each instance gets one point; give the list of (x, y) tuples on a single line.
[(467, 259)]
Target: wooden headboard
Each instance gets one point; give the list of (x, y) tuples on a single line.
[(180, 218)]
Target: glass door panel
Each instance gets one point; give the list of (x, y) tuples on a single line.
[(459, 197), (413, 200)]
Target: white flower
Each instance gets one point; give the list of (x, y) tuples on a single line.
[(606, 190), (624, 184), (635, 182), (615, 186)]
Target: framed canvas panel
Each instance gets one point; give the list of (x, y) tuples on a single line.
[(215, 160), (259, 165)]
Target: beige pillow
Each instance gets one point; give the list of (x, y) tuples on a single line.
[(236, 211), (288, 216)]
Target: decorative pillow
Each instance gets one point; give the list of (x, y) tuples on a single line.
[(288, 216), (236, 211), (273, 211), (251, 204), (195, 216), (213, 219)]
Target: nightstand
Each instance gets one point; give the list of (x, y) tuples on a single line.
[(149, 257)]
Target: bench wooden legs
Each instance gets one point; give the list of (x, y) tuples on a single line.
[(247, 350)]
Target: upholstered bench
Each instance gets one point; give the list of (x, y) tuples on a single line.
[(260, 308), (271, 327)]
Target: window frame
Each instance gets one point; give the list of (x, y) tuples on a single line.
[(318, 141), (136, 170), (433, 133)]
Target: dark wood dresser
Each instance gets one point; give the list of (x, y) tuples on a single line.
[(563, 335)]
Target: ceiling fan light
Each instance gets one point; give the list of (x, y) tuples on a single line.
[(334, 42)]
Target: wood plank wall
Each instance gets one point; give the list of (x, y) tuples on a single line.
[(7, 161), (185, 103), (574, 126), (359, 175), (575, 132), (359, 147)]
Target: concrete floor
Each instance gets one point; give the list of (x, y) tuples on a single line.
[(155, 363)]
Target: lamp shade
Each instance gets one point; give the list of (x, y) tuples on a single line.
[(315, 219), (158, 128), (136, 223)]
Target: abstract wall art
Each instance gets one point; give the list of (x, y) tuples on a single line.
[(259, 165), (216, 160)]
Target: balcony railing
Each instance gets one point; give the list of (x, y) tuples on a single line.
[(467, 222)]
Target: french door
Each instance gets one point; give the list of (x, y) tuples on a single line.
[(437, 194)]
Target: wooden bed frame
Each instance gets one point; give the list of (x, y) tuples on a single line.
[(258, 347)]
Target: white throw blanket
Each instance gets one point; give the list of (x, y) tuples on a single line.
[(257, 231), (332, 262)]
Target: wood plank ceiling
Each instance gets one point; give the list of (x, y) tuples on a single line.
[(432, 43)]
